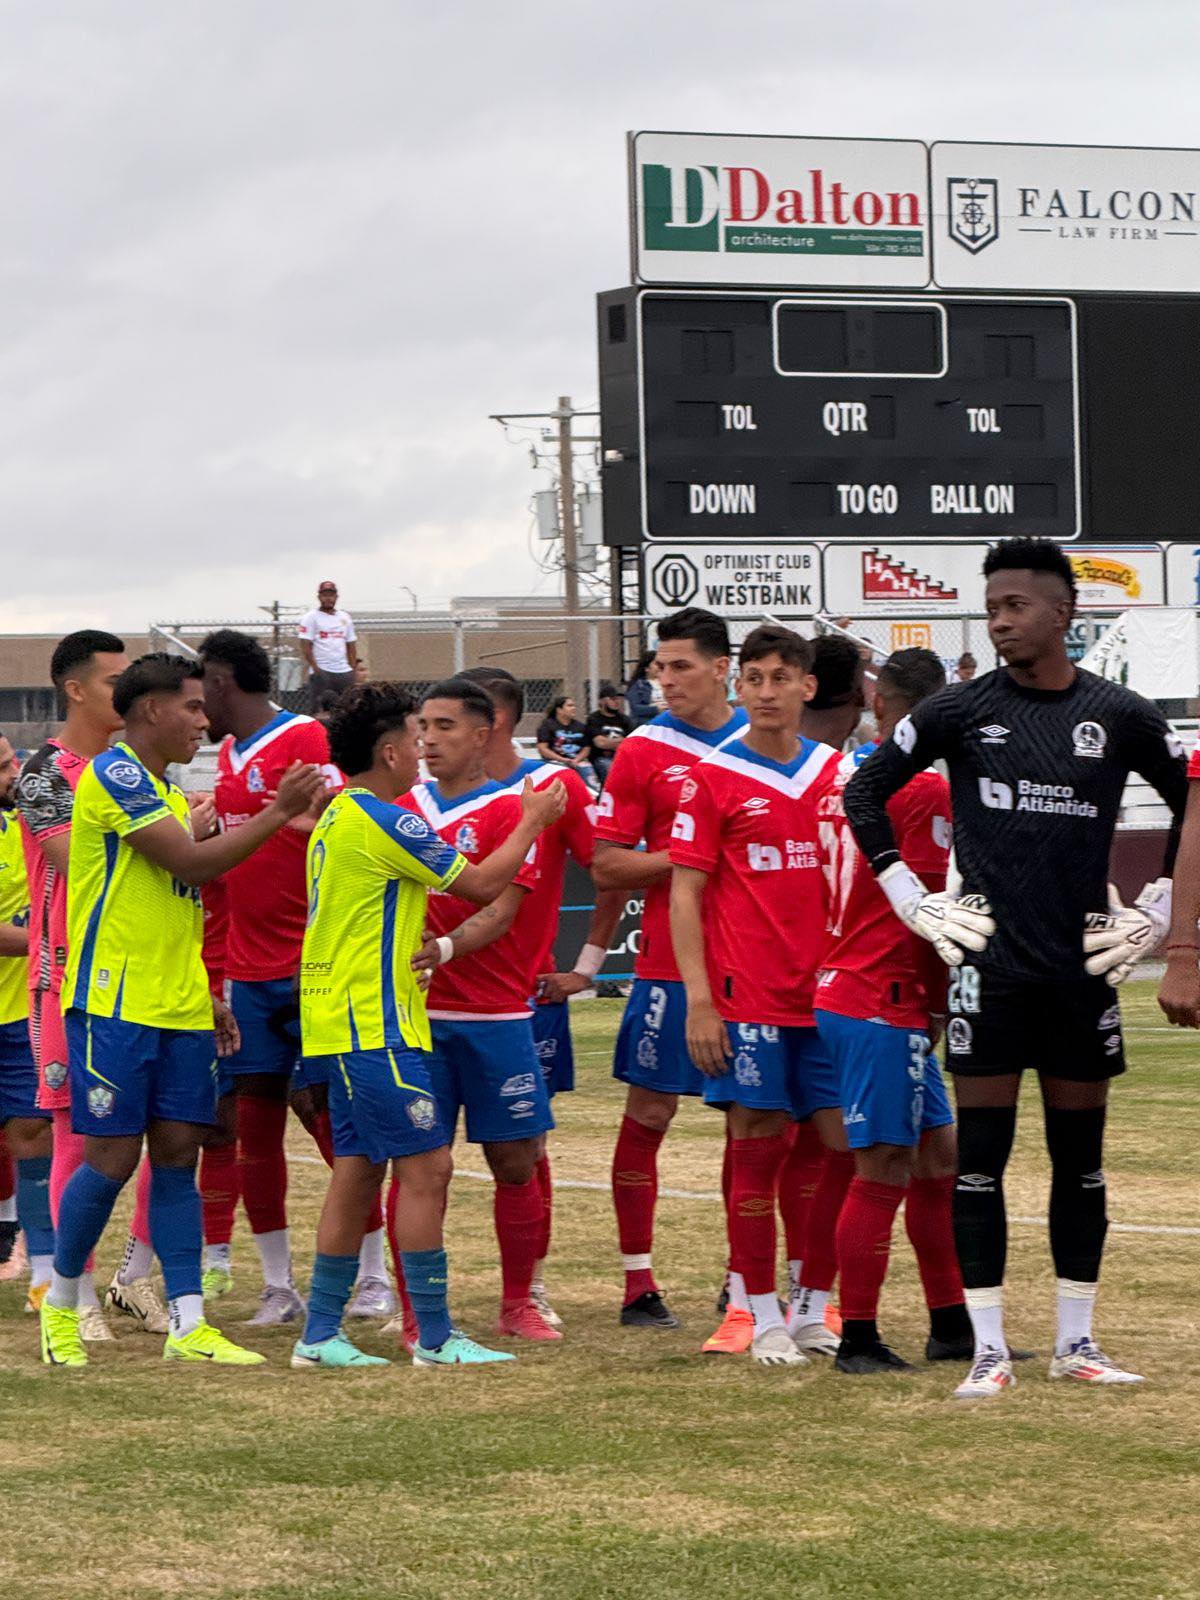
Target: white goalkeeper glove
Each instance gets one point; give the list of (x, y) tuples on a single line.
[(1114, 941), (953, 925)]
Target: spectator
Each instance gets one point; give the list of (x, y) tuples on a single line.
[(561, 737), (642, 693), (327, 645), (966, 668), (605, 729)]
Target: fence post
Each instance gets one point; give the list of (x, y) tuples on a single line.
[(593, 665), (460, 653)]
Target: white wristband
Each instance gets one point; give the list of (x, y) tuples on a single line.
[(902, 887), (591, 959), (445, 949)]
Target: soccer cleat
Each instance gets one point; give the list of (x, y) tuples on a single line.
[(336, 1351), (964, 1350), (405, 1330), (140, 1303), (522, 1320), (833, 1320), (16, 1263), (9, 1233), (373, 1297), (205, 1343), (215, 1282), (458, 1351), (61, 1344), (814, 1338), (277, 1304), (92, 1326), (773, 1347), (1085, 1362), (733, 1338), (34, 1296), (649, 1310), (537, 1293), (991, 1373), (866, 1359)]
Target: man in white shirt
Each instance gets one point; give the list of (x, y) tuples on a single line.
[(327, 646)]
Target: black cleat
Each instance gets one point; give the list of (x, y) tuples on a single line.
[(963, 1350), (649, 1310), (860, 1362)]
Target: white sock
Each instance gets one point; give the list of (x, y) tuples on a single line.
[(8, 1209), (63, 1292), (737, 1292), (986, 1310), (40, 1268), (186, 1312), (275, 1253), (219, 1255), (370, 1257), (87, 1299), (538, 1282), (766, 1311), (1076, 1303), (795, 1269), (807, 1305), (139, 1258)]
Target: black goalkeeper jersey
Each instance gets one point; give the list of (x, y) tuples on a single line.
[(1036, 777)]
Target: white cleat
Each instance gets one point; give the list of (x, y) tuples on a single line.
[(537, 1294), (92, 1327), (814, 1338), (140, 1303), (774, 1347), (373, 1297), (1085, 1362), (277, 1305), (991, 1373), (17, 1265)]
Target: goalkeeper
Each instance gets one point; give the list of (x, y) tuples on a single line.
[(1038, 754)]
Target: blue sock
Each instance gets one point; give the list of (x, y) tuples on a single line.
[(176, 1228), (83, 1214), (33, 1204), (427, 1278), (332, 1280)]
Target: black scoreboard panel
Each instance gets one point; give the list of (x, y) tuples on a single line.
[(865, 416)]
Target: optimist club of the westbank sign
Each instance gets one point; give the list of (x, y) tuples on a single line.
[(741, 580)]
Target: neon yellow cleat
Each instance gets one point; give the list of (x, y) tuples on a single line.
[(205, 1343), (61, 1344), (215, 1282)]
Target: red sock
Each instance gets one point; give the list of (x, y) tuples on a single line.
[(754, 1180), (518, 1213), (139, 1227), (927, 1216), (820, 1256), (8, 1173), (411, 1330), (634, 1191), (219, 1192), (798, 1183), (321, 1129), (864, 1238), (546, 1190), (727, 1190), (262, 1166)]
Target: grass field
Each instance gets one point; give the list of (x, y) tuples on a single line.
[(620, 1463)]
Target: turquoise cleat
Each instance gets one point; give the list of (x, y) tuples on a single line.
[(334, 1352), (458, 1351)]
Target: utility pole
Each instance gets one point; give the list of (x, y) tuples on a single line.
[(576, 668)]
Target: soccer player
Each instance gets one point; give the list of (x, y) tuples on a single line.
[(637, 807), (748, 913), (535, 929), (26, 1127), (370, 867), (484, 1058), (878, 990), (84, 667), (140, 1018), (1038, 754), (267, 907)]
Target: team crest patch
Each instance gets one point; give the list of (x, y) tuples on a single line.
[(422, 1113), (255, 781), (101, 1100), (745, 1071), (1090, 739), (958, 1037), (55, 1074), (125, 774), (647, 1054), (466, 840)]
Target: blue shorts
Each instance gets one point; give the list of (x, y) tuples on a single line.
[(652, 1042), (18, 1073), (775, 1069), (892, 1089), (125, 1075), (314, 1072), (381, 1103), (268, 1016), (492, 1069), (552, 1041)]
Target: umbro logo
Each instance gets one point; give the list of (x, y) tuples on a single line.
[(994, 733), (756, 803), (675, 774)]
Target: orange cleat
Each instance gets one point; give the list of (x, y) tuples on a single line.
[(733, 1338), (521, 1319), (833, 1320)]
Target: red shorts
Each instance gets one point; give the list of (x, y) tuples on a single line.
[(48, 1037)]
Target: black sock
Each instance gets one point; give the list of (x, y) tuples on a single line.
[(949, 1324), (1078, 1195), (985, 1138), (858, 1335)]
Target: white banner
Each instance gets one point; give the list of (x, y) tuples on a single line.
[(1117, 577), (1021, 216), (1162, 654), (728, 208), (904, 579), (1183, 575), (734, 580)]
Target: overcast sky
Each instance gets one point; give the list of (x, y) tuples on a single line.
[(267, 265)]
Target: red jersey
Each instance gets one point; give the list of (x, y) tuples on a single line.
[(45, 799), (268, 899), (751, 824), (1193, 768), (638, 804), (876, 969), (494, 982), (573, 834)]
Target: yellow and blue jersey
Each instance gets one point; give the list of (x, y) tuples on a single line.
[(134, 933), (370, 867), (14, 907)]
